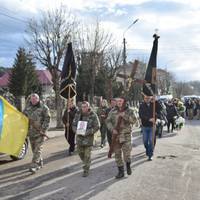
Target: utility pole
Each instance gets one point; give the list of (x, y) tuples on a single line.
[(124, 60), (124, 51)]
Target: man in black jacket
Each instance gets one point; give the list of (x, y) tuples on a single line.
[(146, 116), (171, 113), (67, 119)]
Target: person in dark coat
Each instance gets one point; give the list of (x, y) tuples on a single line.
[(70, 112), (171, 113), (161, 119), (147, 120)]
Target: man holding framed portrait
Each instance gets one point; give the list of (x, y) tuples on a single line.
[(85, 125)]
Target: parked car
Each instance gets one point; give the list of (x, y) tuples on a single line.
[(23, 151)]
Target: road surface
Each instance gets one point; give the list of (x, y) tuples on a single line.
[(173, 174)]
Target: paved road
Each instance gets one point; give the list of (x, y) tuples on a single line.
[(173, 174)]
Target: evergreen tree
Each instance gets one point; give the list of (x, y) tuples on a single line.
[(101, 87), (83, 82), (18, 74), (23, 79), (31, 81), (2, 71)]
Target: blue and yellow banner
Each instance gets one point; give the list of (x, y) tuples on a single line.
[(13, 128)]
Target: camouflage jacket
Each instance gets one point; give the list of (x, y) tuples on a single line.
[(40, 116), (92, 127), (102, 113), (125, 127)]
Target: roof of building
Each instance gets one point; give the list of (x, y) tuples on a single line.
[(4, 80), (44, 77)]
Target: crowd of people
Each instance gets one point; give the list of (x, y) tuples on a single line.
[(192, 108), (114, 121)]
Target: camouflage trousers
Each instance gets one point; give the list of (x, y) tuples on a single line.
[(198, 114), (124, 148), (85, 155), (190, 113), (36, 146), (103, 131)]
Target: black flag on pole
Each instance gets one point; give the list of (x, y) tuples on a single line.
[(68, 75), (149, 87)]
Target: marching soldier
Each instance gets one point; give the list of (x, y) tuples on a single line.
[(120, 121), (102, 114), (110, 108), (85, 125), (39, 119)]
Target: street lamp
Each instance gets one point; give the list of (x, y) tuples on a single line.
[(124, 50)]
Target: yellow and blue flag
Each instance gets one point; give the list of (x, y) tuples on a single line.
[(13, 128)]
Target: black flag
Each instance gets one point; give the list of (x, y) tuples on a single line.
[(149, 87), (68, 75)]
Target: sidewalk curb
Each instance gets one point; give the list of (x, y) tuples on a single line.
[(53, 132)]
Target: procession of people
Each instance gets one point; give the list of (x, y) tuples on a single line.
[(114, 121)]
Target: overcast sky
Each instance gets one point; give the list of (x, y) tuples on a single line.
[(178, 22)]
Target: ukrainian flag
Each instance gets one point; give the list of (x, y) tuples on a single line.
[(13, 128)]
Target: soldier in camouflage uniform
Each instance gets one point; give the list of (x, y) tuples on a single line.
[(7, 95), (85, 142), (122, 130), (102, 113), (39, 118)]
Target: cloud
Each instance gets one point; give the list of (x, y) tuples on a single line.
[(186, 69), (177, 20)]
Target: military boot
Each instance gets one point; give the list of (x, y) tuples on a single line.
[(33, 168), (85, 173), (120, 172), (40, 164), (128, 168)]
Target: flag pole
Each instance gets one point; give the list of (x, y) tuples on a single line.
[(154, 80), (67, 85), (149, 86), (68, 112), (154, 121)]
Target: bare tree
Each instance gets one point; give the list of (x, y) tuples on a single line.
[(113, 62), (164, 81), (179, 87), (94, 38), (48, 38), (183, 88), (93, 42)]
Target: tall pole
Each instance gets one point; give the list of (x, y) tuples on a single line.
[(124, 51), (154, 101), (124, 61)]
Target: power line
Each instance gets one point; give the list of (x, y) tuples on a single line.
[(170, 50), (15, 18), (3, 8)]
